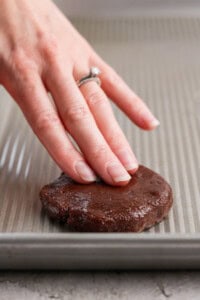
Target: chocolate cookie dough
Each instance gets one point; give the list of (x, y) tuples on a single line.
[(99, 207)]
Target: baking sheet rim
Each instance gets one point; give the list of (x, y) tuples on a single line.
[(49, 236)]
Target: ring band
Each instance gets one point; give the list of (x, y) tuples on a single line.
[(83, 81), (92, 76)]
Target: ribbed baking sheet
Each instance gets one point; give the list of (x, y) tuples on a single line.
[(159, 58)]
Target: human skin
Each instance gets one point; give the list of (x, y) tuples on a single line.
[(40, 53)]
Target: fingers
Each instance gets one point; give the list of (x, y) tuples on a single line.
[(45, 122), (80, 123), (118, 91), (104, 117)]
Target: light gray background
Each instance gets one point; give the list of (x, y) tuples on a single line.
[(108, 8), (98, 286)]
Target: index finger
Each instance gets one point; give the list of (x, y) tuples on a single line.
[(45, 122)]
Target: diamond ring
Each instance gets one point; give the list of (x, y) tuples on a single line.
[(92, 76)]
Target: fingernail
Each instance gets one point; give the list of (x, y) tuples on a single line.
[(84, 171), (154, 123), (128, 160), (117, 173)]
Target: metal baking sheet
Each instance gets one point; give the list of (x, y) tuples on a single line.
[(159, 58)]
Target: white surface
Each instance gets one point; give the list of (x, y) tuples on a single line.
[(98, 286)]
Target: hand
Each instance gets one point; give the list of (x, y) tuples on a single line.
[(41, 52)]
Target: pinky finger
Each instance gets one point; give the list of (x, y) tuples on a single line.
[(118, 91)]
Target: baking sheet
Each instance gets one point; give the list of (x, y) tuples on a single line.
[(159, 58)]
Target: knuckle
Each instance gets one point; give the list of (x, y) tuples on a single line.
[(138, 108), (49, 45), (75, 114), (45, 121), (95, 98), (100, 152), (137, 101), (135, 105), (114, 139), (21, 64)]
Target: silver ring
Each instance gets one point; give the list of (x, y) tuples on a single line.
[(92, 76)]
